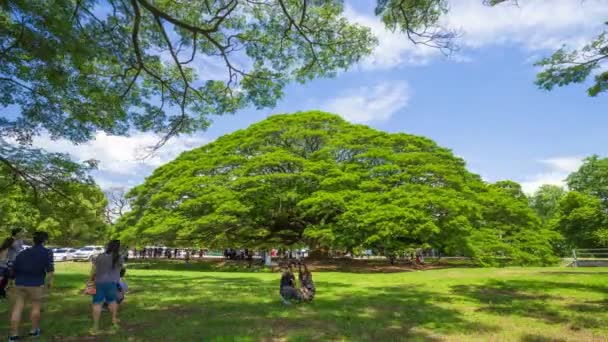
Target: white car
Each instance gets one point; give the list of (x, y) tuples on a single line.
[(63, 254), (87, 253)]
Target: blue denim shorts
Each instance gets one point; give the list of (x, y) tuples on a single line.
[(105, 292)]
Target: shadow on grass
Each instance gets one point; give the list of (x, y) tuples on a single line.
[(396, 314), (227, 307), (213, 308), (531, 299), (540, 338), (345, 265), (204, 265), (574, 272)]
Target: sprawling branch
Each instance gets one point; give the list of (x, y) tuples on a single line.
[(16, 42), (429, 34), (112, 59), (299, 29), (219, 19), (17, 172)]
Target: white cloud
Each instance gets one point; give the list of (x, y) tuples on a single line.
[(393, 49), (107, 182), (534, 24), (564, 164), (555, 173), (538, 24), (368, 104), (123, 160)]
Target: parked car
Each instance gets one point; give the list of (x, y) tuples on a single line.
[(63, 254), (87, 253)]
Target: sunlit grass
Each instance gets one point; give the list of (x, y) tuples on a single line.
[(203, 303)]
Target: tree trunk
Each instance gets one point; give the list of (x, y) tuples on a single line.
[(318, 254)]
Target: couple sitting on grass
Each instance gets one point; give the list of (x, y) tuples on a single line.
[(288, 290)]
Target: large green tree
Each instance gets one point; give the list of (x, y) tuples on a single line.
[(583, 221), (582, 214), (591, 178), (312, 178), (511, 228), (545, 201)]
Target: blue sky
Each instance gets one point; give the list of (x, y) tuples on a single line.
[(481, 103)]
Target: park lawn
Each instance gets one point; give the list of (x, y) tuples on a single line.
[(170, 302)]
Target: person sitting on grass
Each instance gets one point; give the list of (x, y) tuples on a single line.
[(287, 288), (307, 286)]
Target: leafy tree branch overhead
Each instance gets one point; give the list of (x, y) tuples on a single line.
[(75, 67), (41, 171), (72, 68), (105, 71)]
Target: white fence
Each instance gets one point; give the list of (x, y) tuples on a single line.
[(586, 257)]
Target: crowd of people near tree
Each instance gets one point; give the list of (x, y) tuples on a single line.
[(165, 253), (227, 253)]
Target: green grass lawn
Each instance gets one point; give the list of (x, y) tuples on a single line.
[(196, 303)]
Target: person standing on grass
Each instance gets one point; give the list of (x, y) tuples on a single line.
[(106, 274), (4, 265), (31, 268), (18, 244), (16, 248), (187, 255)]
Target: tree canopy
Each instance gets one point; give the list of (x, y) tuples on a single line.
[(545, 201), (583, 221), (582, 213), (73, 68), (312, 178), (566, 66), (591, 178), (66, 203)]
